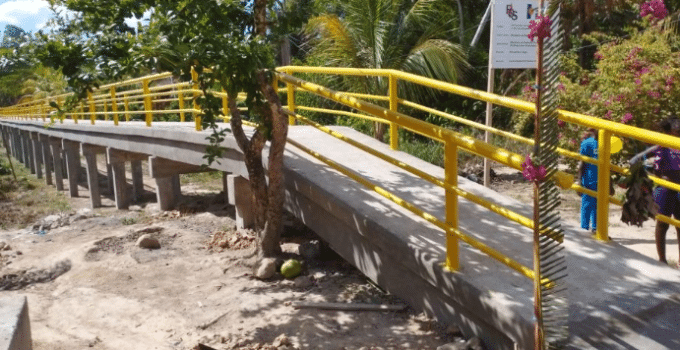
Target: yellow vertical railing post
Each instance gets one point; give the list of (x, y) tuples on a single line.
[(61, 117), (394, 106), (451, 179), (290, 92), (197, 116), (180, 97), (93, 115), (114, 105), (603, 178), (225, 104), (41, 112), (126, 103), (147, 101), (105, 109)]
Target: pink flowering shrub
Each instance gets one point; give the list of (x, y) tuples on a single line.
[(656, 8), (636, 81)]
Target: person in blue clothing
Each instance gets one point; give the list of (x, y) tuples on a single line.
[(587, 177)]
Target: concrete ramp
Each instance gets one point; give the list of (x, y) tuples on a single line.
[(619, 299)]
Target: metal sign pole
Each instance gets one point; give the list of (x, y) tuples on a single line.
[(489, 105)]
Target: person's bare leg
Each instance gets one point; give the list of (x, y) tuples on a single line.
[(660, 235)]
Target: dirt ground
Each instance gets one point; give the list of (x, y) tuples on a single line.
[(90, 287)]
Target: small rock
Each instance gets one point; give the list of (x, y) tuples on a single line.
[(281, 340), (135, 208), (4, 246), (310, 250), (303, 282), (265, 268), (148, 242), (472, 344)]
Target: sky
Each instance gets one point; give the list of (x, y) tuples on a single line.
[(29, 15)]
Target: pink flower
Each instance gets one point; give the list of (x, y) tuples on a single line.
[(638, 81), (654, 94), (561, 123), (627, 118), (656, 8), (540, 28), (532, 172), (608, 115), (598, 55)]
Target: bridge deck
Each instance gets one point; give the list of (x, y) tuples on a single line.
[(618, 298)]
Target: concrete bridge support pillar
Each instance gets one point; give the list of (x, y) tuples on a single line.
[(46, 157), (27, 156), (72, 151), (31, 153), (109, 178), (137, 180), (120, 187), (166, 174), (241, 197), (36, 147), (90, 152), (55, 145), (18, 153)]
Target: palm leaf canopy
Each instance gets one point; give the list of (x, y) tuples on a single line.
[(412, 36)]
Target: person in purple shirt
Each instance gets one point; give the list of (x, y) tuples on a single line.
[(667, 167)]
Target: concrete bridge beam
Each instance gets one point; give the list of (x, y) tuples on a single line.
[(90, 152), (241, 197), (55, 145)]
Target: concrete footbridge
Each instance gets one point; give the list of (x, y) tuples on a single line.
[(388, 213)]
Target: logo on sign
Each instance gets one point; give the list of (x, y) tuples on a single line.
[(511, 12), (531, 11)]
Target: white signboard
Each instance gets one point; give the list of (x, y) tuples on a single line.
[(510, 44)]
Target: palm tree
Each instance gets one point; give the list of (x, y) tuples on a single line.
[(407, 35)]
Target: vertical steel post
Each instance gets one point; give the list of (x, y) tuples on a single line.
[(180, 97), (126, 103), (197, 116), (394, 106), (603, 178), (290, 92), (114, 106), (147, 102), (93, 109), (451, 178)]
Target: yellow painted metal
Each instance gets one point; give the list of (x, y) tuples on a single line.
[(603, 178), (197, 116), (93, 115), (451, 179), (225, 104), (529, 273), (470, 144), (147, 102), (290, 95), (509, 214), (114, 105), (126, 103), (668, 220), (345, 113), (394, 107)]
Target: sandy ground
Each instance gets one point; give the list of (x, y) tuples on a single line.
[(119, 296)]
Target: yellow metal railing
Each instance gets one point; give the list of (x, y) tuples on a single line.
[(607, 129), (141, 96)]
